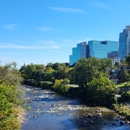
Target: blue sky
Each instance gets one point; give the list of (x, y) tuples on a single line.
[(43, 31)]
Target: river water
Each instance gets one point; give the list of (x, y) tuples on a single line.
[(51, 111)]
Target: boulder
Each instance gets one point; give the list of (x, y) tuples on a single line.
[(122, 122), (89, 115)]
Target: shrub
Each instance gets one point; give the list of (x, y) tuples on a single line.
[(61, 85), (8, 97)]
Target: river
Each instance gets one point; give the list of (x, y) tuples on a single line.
[(51, 111)]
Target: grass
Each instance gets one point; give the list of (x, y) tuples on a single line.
[(119, 85)]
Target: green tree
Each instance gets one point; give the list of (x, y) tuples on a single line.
[(127, 60), (49, 65), (123, 74), (117, 64), (87, 69), (61, 71), (105, 64), (71, 75), (9, 96), (9, 75), (61, 85), (101, 89), (27, 71)]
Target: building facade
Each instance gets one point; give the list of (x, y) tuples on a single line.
[(78, 52), (104, 49), (94, 48), (124, 43)]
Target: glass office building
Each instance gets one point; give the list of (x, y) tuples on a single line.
[(78, 52), (94, 48), (104, 49), (124, 43)]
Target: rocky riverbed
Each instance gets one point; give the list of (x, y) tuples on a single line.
[(51, 111)]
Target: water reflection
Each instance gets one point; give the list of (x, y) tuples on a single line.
[(50, 111)]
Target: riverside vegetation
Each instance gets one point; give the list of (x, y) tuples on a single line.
[(92, 77), (10, 110)]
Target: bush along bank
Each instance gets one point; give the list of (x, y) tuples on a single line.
[(10, 109), (86, 94), (122, 104), (92, 75), (41, 84)]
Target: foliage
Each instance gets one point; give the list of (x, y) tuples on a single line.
[(71, 75), (8, 120), (60, 70), (49, 65), (61, 85), (117, 64), (120, 85), (123, 74), (101, 89), (26, 71), (125, 96), (40, 73), (9, 75), (10, 78), (122, 109), (87, 69), (127, 60)]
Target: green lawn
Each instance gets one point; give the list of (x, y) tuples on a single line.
[(121, 84)]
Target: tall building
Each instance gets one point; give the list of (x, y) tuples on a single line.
[(104, 49), (94, 48), (78, 52), (124, 43)]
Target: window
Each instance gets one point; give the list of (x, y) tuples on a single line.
[(104, 42)]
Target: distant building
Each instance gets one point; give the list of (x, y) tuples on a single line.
[(124, 43), (78, 52), (94, 48), (114, 55), (116, 59), (103, 49)]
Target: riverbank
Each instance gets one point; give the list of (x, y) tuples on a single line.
[(51, 111), (20, 112), (77, 93), (10, 111)]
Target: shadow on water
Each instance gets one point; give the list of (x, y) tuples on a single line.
[(102, 123), (75, 102), (48, 99)]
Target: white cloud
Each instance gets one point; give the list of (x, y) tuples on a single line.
[(11, 54), (45, 29), (101, 5), (71, 10), (65, 40), (15, 46), (10, 26), (55, 47), (48, 42)]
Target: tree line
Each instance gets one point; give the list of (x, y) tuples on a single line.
[(91, 75)]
